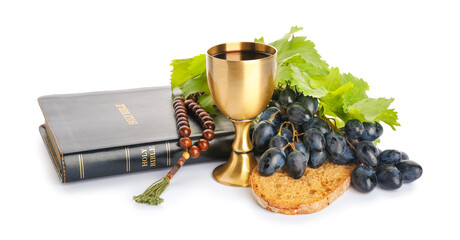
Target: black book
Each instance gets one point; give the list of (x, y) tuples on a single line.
[(98, 134)]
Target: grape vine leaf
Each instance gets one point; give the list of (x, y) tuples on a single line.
[(288, 47), (371, 109)]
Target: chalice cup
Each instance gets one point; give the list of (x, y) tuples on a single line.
[(241, 79)]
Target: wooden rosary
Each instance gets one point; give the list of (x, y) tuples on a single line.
[(152, 194)]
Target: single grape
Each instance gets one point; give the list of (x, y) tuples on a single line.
[(347, 157), (297, 114), (372, 131), (314, 138), (317, 159), (274, 103), (287, 134), (367, 153), (319, 124), (276, 94), (389, 157), (354, 128), (310, 103), (296, 164), (404, 156), (268, 113), (302, 148), (271, 161), (410, 170), (279, 142), (364, 178), (335, 143), (388, 177), (287, 96), (262, 134)]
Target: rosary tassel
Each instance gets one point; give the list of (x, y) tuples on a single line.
[(152, 194)]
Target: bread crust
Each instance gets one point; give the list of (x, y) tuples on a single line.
[(299, 207)]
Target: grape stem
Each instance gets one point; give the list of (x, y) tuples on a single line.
[(329, 122), (351, 145)]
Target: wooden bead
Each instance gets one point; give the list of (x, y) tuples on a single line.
[(194, 151), (175, 104), (183, 123), (181, 119), (185, 142), (186, 155), (179, 106), (179, 115), (181, 111), (208, 134), (203, 144), (191, 105), (195, 108), (202, 115), (206, 118), (187, 102), (209, 125), (185, 131), (199, 111)]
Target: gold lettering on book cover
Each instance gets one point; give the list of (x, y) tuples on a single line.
[(126, 114), (144, 157), (153, 156)]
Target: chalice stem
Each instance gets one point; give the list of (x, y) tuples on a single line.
[(238, 168)]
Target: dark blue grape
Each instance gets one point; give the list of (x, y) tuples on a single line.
[(388, 177), (354, 128), (279, 142), (310, 103), (317, 159), (268, 113), (389, 157), (410, 170), (404, 156), (319, 124), (296, 164), (347, 157), (372, 131), (367, 153), (262, 134), (364, 178), (286, 133), (302, 148), (335, 143), (274, 103), (287, 96), (276, 94), (297, 114), (314, 139), (271, 161)]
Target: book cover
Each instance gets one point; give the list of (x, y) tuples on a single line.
[(105, 133)]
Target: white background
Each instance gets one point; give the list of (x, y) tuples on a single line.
[(408, 50)]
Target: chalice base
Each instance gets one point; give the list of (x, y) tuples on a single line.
[(236, 171)]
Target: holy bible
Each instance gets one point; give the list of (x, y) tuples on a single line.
[(90, 135)]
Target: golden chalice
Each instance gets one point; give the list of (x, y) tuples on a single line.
[(241, 79)]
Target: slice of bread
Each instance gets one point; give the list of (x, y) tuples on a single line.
[(315, 190)]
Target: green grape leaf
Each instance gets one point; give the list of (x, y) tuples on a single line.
[(371, 109), (259, 40), (288, 48), (302, 81), (185, 69), (207, 103)]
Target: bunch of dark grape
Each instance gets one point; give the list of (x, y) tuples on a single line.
[(291, 133)]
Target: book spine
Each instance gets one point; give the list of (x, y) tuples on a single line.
[(94, 164)]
